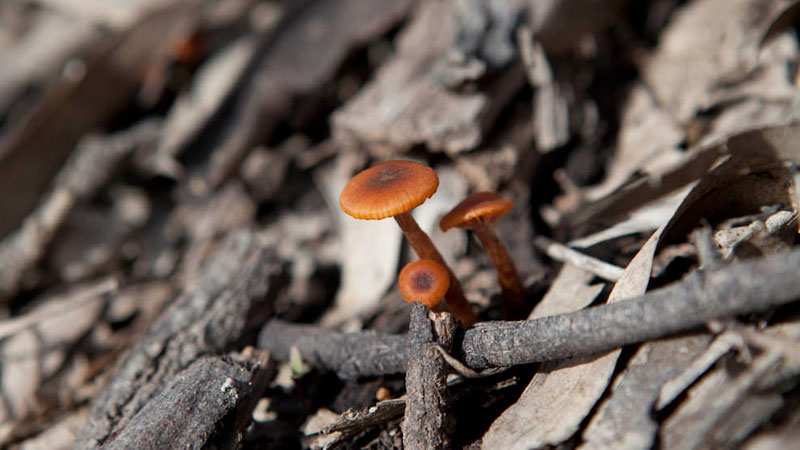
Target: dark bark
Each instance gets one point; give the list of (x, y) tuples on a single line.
[(425, 423), (438, 52), (208, 405), (741, 288), (350, 355), (230, 296)]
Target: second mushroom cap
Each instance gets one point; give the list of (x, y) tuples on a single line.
[(476, 210)]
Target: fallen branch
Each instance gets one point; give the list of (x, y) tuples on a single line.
[(350, 355), (741, 288)]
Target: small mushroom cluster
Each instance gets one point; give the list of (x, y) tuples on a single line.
[(393, 189)]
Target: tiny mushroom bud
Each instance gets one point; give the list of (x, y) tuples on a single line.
[(393, 189), (382, 394), (477, 212), (424, 281)]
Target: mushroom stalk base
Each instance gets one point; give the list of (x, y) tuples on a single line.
[(423, 246), (507, 274)]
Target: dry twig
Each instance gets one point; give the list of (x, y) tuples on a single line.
[(425, 424), (741, 288)]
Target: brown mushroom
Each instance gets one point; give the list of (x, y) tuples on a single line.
[(393, 189), (424, 281), (477, 212)]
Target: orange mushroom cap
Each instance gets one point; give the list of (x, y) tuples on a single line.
[(477, 209), (423, 281), (388, 189)]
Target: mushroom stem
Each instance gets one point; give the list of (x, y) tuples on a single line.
[(506, 270), (423, 246)]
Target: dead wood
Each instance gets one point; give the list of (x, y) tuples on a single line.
[(738, 289), (741, 288), (562, 253), (350, 355), (425, 425), (207, 405), (216, 310), (353, 422)]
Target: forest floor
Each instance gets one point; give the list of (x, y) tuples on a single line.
[(176, 270)]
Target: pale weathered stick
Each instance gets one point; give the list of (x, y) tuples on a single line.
[(561, 252)]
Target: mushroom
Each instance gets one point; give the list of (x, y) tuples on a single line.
[(424, 281), (477, 212), (393, 189)]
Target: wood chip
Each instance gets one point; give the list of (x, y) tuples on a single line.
[(404, 106)]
